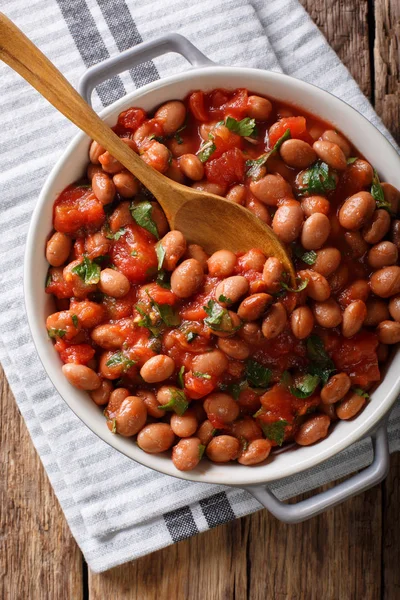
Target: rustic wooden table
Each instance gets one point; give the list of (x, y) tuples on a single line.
[(351, 552)]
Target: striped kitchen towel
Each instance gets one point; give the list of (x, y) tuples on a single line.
[(119, 510)]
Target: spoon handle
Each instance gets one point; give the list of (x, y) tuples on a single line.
[(26, 59)]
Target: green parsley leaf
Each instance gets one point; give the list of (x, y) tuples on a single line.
[(218, 318), (178, 402), (134, 253), (48, 279), (141, 212), (206, 151), (317, 179), (115, 236), (201, 451), (158, 138), (201, 375), (352, 160), (361, 392), (224, 299), (114, 426), (160, 252), (377, 193), (245, 127), (308, 257), (275, 431), (305, 387), (163, 279), (177, 137), (119, 359), (321, 364), (146, 321), (75, 320), (167, 313), (254, 166), (180, 376), (191, 336), (257, 375), (54, 333), (301, 285), (88, 271)]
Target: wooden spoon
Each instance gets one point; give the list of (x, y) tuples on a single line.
[(203, 218)]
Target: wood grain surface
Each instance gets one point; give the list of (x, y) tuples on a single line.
[(351, 552)]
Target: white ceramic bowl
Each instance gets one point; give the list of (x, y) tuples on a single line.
[(370, 142)]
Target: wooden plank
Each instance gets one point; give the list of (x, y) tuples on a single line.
[(391, 531), (39, 559), (345, 25), (387, 103), (387, 63)]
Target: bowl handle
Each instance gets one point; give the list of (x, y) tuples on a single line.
[(173, 42), (301, 511)]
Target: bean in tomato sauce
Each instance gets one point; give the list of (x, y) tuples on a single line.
[(219, 355)]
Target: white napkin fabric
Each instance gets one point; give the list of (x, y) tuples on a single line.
[(117, 509)]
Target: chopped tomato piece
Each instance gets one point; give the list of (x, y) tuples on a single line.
[(157, 293), (80, 354), (216, 422), (357, 357), (225, 140), (57, 285), (132, 118), (237, 106), (197, 106), (228, 169), (121, 307), (297, 126), (197, 387), (77, 211), (134, 254)]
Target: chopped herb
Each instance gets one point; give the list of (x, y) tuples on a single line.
[(48, 279), (321, 364), (191, 336), (180, 376), (234, 389), (88, 271), (305, 387), (308, 257), (352, 160), (53, 333), (301, 285), (177, 137), (218, 318), (245, 127), (378, 195), (317, 179), (201, 451), (244, 443), (75, 320), (158, 138), (163, 279), (361, 392), (115, 236), (177, 403), (275, 431), (141, 212), (206, 151), (160, 252), (257, 375), (134, 253), (201, 375), (167, 313), (254, 166), (145, 321), (114, 426), (224, 299), (119, 359)]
